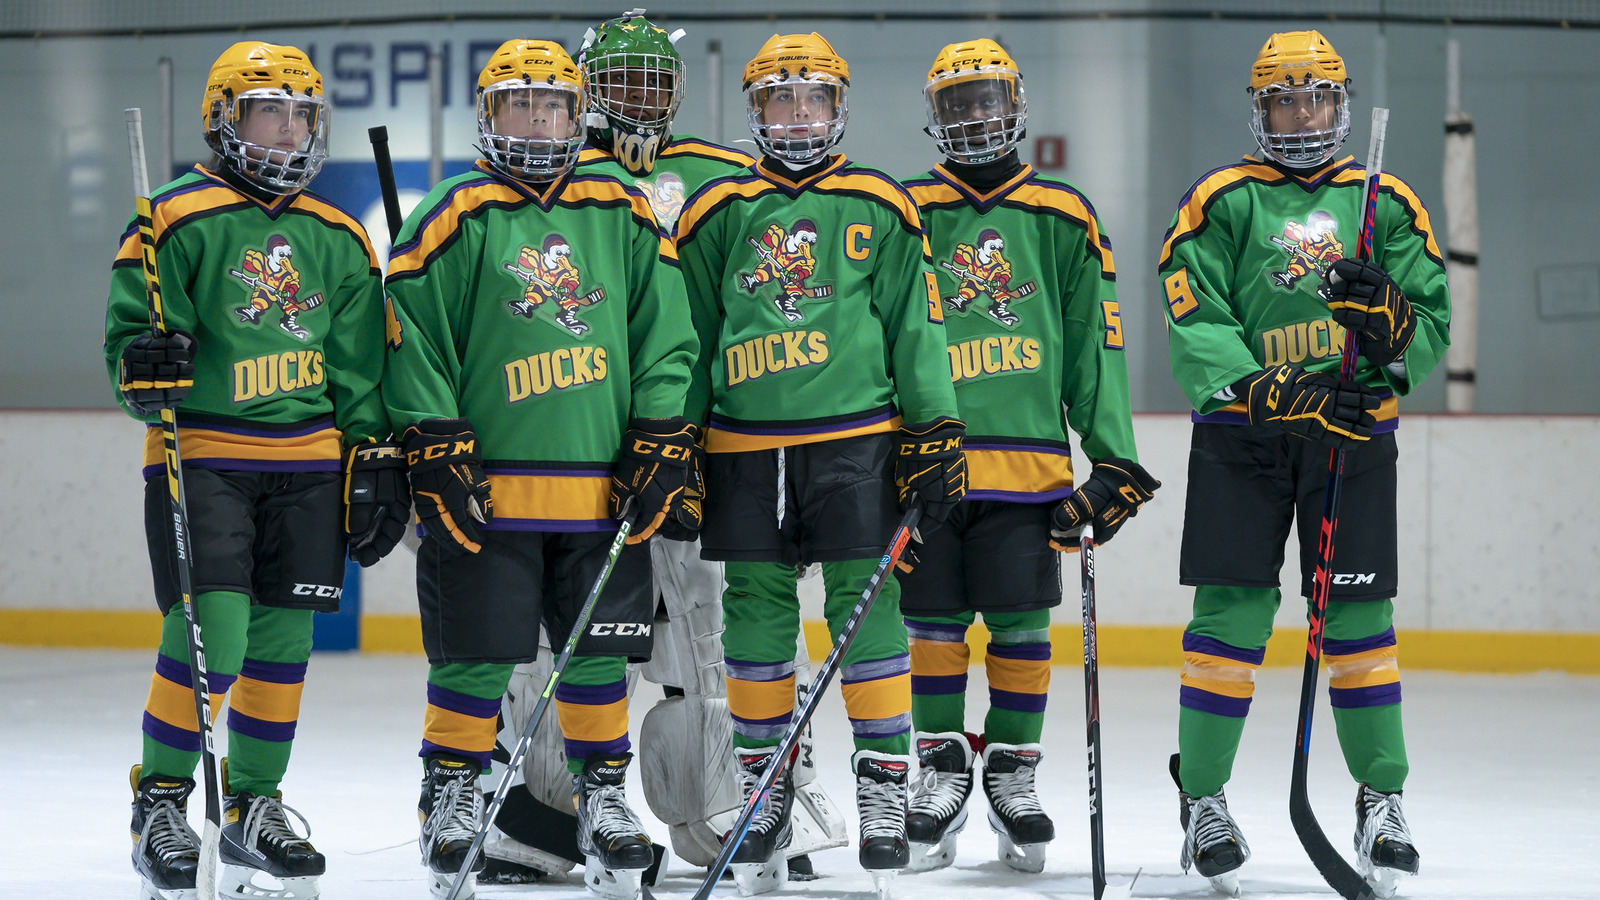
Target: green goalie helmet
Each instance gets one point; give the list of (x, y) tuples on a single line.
[(635, 80)]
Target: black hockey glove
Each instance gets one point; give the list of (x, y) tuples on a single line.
[(1116, 490), (1365, 300), (929, 463), (157, 371), (1317, 406), (447, 482), (683, 524), (653, 470), (377, 500)]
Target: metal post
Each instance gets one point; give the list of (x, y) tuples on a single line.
[(164, 143), (435, 118), (714, 91)]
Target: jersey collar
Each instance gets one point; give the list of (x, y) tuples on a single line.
[(785, 180), (1308, 180), (983, 202), (272, 204), (544, 196)]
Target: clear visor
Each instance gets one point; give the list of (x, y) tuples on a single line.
[(1301, 125), (277, 140), (798, 119), (531, 131), (637, 90), (978, 118)]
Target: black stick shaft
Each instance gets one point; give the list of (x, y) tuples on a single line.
[(379, 135), (1091, 713)]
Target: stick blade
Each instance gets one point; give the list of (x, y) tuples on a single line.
[(1339, 875), (1121, 891)]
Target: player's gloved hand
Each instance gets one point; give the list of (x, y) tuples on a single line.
[(1117, 488), (1318, 406), (447, 482), (653, 470), (157, 371), (377, 499), (1364, 299), (929, 463), (683, 523)]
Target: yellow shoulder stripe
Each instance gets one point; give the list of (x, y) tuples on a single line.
[(329, 212), (713, 196), (445, 222), (1420, 220), (1052, 197), (894, 195), (605, 188), (181, 206), (704, 149), (1191, 215), (934, 192)]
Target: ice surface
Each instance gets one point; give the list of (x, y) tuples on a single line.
[(1503, 800)]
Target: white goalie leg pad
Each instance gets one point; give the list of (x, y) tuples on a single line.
[(816, 822)]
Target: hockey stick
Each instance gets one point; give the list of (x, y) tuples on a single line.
[(1091, 716), (802, 716), (1340, 875), (525, 740), (205, 878)]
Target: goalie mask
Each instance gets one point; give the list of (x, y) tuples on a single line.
[(635, 81), (976, 107), (265, 115), (531, 109), (1300, 113), (795, 94)]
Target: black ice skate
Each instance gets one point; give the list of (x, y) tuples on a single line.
[(248, 315), (615, 846), (1001, 313), (166, 851), (259, 847), (450, 808), (958, 303), (883, 782), (759, 865), (748, 282), (1015, 814), (1212, 843), (786, 305), (293, 327), (567, 317), (1383, 842), (939, 798)]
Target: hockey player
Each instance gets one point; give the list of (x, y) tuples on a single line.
[(1255, 341), (267, 404), (635, 80), (816, 416), (1032, 327), (512, 418)]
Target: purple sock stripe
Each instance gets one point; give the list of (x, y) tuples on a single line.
[(592, 694), (1017, 702), (465, 704), (177, 738), (260, 729), (1331, 647), (178, 673), (938, 685), (586, 749), (1364, 697), (1216, 704), (274, 672), (429, 748), (936, 631), (1198, 643), (876, 669), (746, 670), (1038, 652)]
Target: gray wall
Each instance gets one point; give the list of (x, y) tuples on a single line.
[(1146, 105)]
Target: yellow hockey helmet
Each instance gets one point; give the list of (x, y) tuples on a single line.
[(977, 110), (1300, 112), (531, 110), (795, 96), (266, 116)]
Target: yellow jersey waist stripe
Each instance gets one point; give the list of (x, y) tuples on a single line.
[(733, 436), (249, 447), (1017, 473)]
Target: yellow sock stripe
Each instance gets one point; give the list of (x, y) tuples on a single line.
[(1219, 675), (596, 724), (1019, 676), (1365, 669), (939, 657), (452, 729), (267, 700), (880, 698), (173, 703), (756, 700)]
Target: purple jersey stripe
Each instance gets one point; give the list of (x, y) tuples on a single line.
[(429, 748), (586, 749), (1220, 418), (1199, 643), (1019, 496), (263, 465), (1364, 697), (177, 738), (1039, 652), (1216, 704), (260, 729), (467, 705), (557, 473), (244, 429), (1026, 448), (725, 425), (501, 523), (926, 685), (1331, 647), (275, 672), (1017, 702), (592, 694)]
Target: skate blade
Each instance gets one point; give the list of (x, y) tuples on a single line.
[(1384, 882), (148, 891), (611, 884), (1226, 884), (882, 881), (245, 883), (1022, 857), (928, 857), (439, 883), (760, 878)]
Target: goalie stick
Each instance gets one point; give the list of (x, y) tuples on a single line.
[(802, 716), (1340, 875), (205, 878)]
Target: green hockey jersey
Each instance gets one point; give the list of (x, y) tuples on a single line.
[(682, 166), (816, 308), (1242, 269), (285, 302), (547, 318), (1032, 325)]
